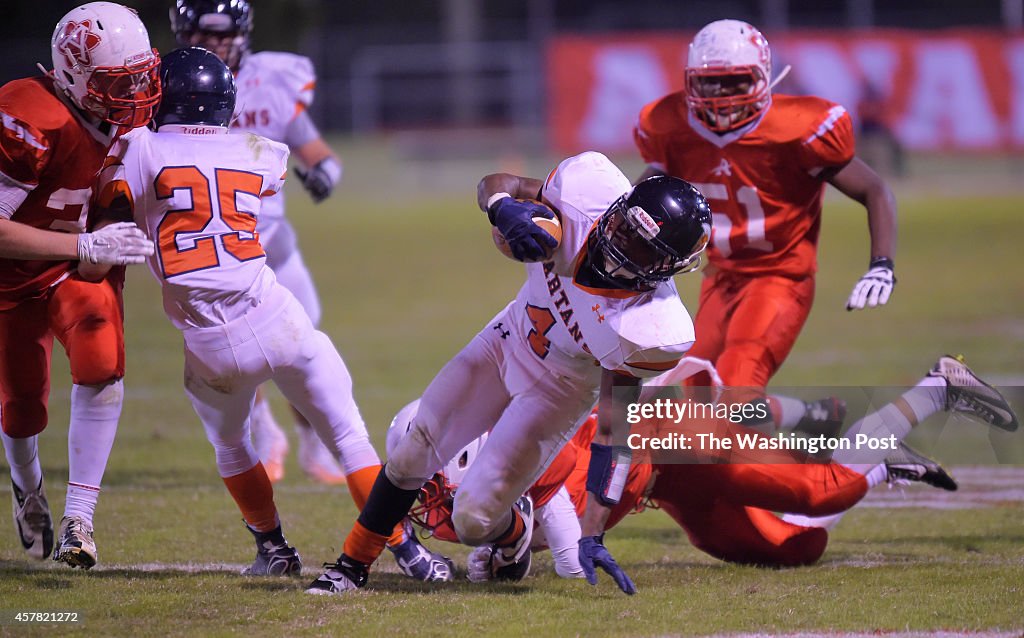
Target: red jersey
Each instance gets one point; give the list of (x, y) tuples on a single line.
[(764, 183), (50, 154)]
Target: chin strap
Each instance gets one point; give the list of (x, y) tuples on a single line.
[(780, 77)]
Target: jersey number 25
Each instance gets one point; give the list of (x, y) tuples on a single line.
[(242, 243)]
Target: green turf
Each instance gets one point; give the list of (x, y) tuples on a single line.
[(406, 281)]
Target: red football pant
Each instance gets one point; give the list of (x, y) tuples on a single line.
[(87, 318), (726, 509), (746, 325)]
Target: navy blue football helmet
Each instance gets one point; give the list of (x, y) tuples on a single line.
[(655, 231), (198, 89), (222, 26)]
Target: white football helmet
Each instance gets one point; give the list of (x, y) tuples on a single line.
[(433, 507), (728, 75), (104, 63)]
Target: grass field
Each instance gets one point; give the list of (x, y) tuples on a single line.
[(406, 280)]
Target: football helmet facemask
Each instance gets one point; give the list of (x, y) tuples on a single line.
[(104, 63), (657, 230), (198, 88), (729, 75), (221, 26)]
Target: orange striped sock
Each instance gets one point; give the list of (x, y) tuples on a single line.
[(254, 496), (363, 545), (514, 531), (360, 483)]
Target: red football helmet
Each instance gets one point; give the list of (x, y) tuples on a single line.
[(104, 63), (728, 75)]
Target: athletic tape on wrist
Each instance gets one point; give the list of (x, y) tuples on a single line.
[(608, 471), (491, 201)]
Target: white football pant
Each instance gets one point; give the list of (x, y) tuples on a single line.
[(273, 342), (494, 384), (284, 258)]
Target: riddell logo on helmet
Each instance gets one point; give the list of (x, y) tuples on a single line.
[(644, 223), (77, 41)]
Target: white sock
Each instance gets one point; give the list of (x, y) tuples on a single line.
[(95, 411), (791, 410), (23, 457), (885, 422), (927, 397)]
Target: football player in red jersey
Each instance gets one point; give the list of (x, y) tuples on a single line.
[(56, 130), (762, 161), (726, 501)]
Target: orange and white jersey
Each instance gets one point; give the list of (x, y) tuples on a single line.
[(196, 193), (273, 88), (763, 182), (577, 330)]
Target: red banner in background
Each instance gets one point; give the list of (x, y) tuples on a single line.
[(950, 90)]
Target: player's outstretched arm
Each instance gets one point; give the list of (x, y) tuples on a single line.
[(606, 476), (21, 241), (859, 182)]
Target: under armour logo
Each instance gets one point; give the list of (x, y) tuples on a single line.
[(76, 41), (596, 307), (723, 169), (500, 327)]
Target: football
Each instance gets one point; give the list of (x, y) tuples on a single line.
[(552, 226)]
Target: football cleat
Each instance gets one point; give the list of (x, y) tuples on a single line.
[(75, 544), (906, 465), (340, 577), (824, 417), (316, 460), (505, 562), (32, 521), (418, 562), (269, 440), (969, 395), (274, 556)]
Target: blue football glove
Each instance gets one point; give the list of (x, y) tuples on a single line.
[(514, 219), (594, 554)]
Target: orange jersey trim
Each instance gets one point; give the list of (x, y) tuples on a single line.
[(609, 293)]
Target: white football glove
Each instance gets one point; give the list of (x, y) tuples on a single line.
[(479, 564), (117, 244), (874, 287)]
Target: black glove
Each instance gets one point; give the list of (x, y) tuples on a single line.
[(317, 181), (514, 219)]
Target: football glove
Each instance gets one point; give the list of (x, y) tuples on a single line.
[(514, 219), (117, 244), (320, 180), (875, 287), (594, 554)]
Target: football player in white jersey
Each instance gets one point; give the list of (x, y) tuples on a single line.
[(196, 193), (274, 90), (598, 312)]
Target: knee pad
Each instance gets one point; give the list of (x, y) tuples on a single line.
[(474, 522)]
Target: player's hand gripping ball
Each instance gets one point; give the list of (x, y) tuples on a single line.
[(543, 219)]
